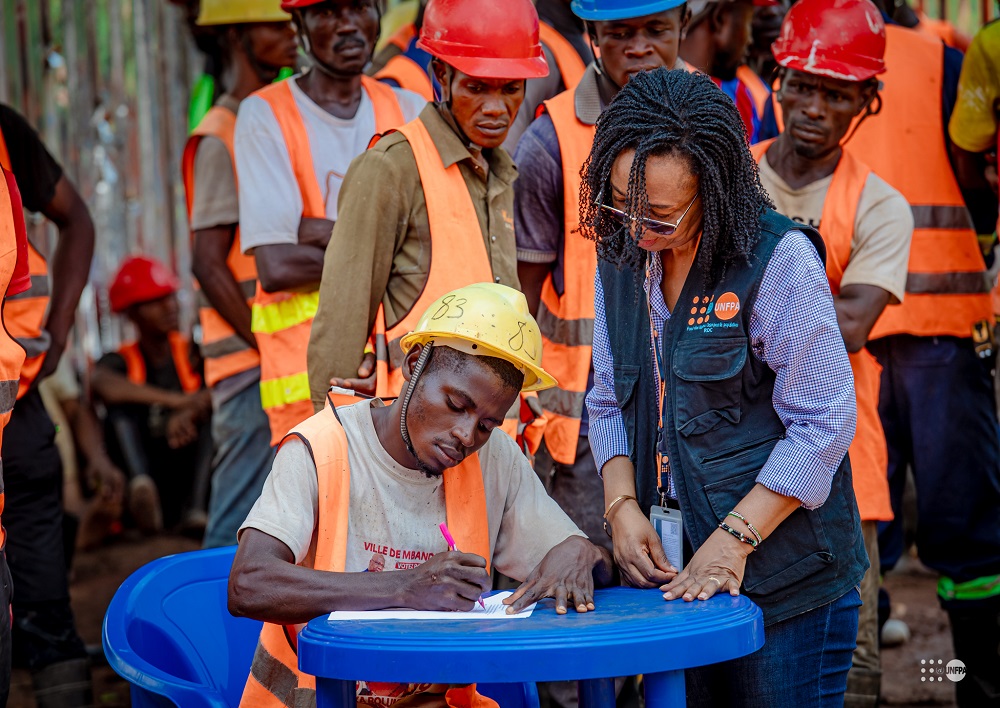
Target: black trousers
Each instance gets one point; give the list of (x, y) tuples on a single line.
[(43, 631)]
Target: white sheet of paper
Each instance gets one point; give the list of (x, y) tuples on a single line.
[(495, 609)]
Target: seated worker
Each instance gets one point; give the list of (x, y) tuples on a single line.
[(158, 409), (389, 476)]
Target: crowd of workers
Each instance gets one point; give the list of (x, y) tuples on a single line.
[(724, 258)]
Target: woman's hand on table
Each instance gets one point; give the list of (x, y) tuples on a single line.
[(638, 551), (566, 573), (715, 567)]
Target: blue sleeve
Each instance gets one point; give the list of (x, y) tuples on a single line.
[(949, 84), (538, 194), (768, 123)]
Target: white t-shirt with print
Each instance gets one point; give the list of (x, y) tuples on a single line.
[(270, 200)]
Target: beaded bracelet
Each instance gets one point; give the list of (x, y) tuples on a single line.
[(744, 538), (737, 515)]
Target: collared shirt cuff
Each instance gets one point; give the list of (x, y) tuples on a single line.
[(794, 472), (606, 441)]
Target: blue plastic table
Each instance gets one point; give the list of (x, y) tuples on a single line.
[(631, 632)]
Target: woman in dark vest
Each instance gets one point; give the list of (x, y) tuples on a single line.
[(722, 389)]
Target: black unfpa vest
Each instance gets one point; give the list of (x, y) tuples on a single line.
[(720, 426)]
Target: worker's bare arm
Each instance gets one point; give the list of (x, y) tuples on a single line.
[(532, 276), (266, 584), (114, 388), (858, 307), (288, 266), (210, 253)]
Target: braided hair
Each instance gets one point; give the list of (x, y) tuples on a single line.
[(666, 112)]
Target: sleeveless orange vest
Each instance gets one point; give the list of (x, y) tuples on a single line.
[(24, 314), (947, 292), (180, 352), (11, 355), (226, 353), (868, 452), (275, 660), (282, 320), (571, 66), (756, 86), (567, 321), (408, 74)]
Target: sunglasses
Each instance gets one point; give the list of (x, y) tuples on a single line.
[(661, 228)]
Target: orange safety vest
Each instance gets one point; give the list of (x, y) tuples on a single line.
[(756, 86), (180, 352), (11, 354), (566, 321), (282, 320), (275, 660), (947, 292), (568, 61), (868, 452), (226, 353), (943, 30), (403, 70), (24, 314)]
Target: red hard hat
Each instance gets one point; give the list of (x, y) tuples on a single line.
[(843, 39), (141, 279), (485, 38)]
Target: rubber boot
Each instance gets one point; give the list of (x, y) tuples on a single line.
[(65, 684), (975, 631), (863, 688)]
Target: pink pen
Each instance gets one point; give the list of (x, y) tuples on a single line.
[(452, 547)]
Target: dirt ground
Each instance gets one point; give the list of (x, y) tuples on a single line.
[(97, 574)]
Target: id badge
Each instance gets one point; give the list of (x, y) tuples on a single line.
[(670, 528)]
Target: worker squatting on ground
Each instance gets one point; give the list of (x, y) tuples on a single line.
[(442, 214), (294, 142), (14, 280), (158, 409), (355, 480), (258, 40), (44, 636), (742, 417), (830, 53)]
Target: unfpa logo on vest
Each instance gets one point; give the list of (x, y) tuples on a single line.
[(727, 306)]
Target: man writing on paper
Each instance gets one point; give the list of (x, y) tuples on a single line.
[(388, 476)]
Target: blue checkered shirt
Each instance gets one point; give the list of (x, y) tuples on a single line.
[(794, 330)]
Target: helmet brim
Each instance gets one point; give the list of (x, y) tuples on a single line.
[(489, 68), (629, 13), (535, 377), (860, 71)]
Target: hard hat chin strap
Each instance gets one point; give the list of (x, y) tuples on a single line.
[(418, 369)]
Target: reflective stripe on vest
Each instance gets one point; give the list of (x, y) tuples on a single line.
[(24, 316), (567, 321), (281, 321), (458, 251), (756, 86), (180, 353), (11, 355), (408, 74), (275, 681), (947, 288), (868, 452), (226, 353), (571, 66)]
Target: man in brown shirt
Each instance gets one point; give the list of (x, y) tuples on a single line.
[(380, 254)]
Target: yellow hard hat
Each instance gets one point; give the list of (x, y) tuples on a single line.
[(233, 12), (486, 319)]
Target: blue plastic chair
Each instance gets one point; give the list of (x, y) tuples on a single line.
[(168, 632)]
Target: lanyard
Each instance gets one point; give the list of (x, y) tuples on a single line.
[(662, 461)]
